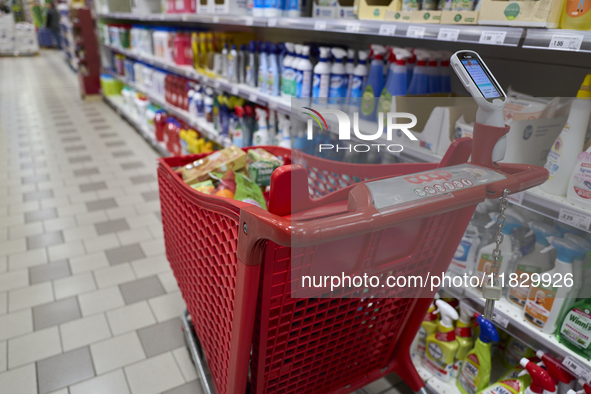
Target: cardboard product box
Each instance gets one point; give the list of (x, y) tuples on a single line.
[(376, 9), (232, 7), (540, 13), (146, 7), (413, 16), (106, 6), (204, 7), (459, 17), (340, 9)]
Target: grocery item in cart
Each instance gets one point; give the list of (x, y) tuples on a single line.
[(230, 158)]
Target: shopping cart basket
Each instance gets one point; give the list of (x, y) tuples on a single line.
[(232, 262)]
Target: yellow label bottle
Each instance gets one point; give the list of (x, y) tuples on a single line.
[(441, 347), (463, 336), (576, 15)]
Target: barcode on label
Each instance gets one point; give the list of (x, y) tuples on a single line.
[(415, 32), (577, 368), (448, 34), (493, 37), (352, 27), (387, 30), (566, 42), (500, 319), (575, 219)]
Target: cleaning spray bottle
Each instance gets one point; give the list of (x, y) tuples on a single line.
[(445, 72), (433, 73), (544, 304), (321, 81), (349, 68), (304, 81), (475, 372), (263, 68), (465, 256), (515, 350), (338, 79), (534, 262), (428, 327), (441, 347), (358, 81), (410, 65), (374, 84), (515, 385), (563, 380), (251, 66), (541, 379), (586, 388), (420, 77), (272, 71), (287, 75), (261, 136), (286, 133), (562, 159), (396, 84), (463, 336)]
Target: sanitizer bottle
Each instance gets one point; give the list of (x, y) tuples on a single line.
[(287, 75), (463, 336), (420, 77), (441, 347), (358, 81), (261, 136), (374, 85), (337, 91), (321, 81), (272, 71), (305, 68), (262, 74)]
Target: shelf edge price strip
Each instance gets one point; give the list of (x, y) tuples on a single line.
[(494, 37), (575, 219), (577, 368), (387, 30), (320, 25), (446, 34), (566, 42), (352, 27), (415, 32)]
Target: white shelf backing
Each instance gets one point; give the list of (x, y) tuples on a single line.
[(510, 319), (557, 39), (204, 128), (117, 103)]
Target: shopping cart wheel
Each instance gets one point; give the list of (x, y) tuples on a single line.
[(196, 352), (422, 390)]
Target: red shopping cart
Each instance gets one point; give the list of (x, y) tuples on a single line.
[(233, 263)]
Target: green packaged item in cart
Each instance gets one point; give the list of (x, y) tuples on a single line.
[(574, 330), (248, 191), (261, 165)]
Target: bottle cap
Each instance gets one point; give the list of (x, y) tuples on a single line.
[(556, 370), (543, 231), (567, 250), (338, 54), (541, 379), (582, 242), (448, 313), (488, 331), (324, 53)]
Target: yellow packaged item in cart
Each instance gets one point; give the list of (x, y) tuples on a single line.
[(231, 158)]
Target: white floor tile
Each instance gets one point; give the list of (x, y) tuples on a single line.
[(14, 246), (14, 280), (154, 375), (85, 219), (167, 306), (73, 285), (66, 251), (134, 236), (100, 243), (89, 262), (183, 359), (21, 380), (3, 357), (16, 324), (27, 259), (59, 224), (116, 352), (79, 233), (150, 266), (84, 331), (168, 281), (33, 347), (114, 275), (30, 296), (109, 383), (3, 303), (131, 317), (154, 247), (100, 301), (21, 231)]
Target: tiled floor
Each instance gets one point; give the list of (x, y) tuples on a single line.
[(88, 303)]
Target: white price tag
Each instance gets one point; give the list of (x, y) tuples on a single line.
[(566, 42), (577, 367), (253, 97), (235, 90), (248, 20), (216, 84), (494, 37), (215, 19), (272, 104), (162, 17), (387, 30), (415, 32), (320, 25), (352, 27), (516, 198), (446, 34), (500, 319), (575, 219), (185, 17), (272, 22)]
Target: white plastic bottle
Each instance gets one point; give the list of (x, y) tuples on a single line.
[(233, 65), (321, 81), (350, 68), (225, 61), (562, 159), (262, 74), (579, 186), (297, 70), (358, 81), (287, 76), (272, 71), (545, 302), (338, 79), (286, 134), (465, 256), (305, 67), (261, 136)]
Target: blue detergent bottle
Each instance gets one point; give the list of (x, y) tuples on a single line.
[(410, 65), (445, 72), (397, 83), (434, 73), (374, 84), (420, 78)]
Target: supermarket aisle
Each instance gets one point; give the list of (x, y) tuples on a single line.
[(88, 303)]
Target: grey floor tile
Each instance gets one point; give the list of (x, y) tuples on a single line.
[(136, 180), (96, 120), (86, 171), (34, 196), (111, 226), (70, 139), (43, 214), (92, 187), (193, 387), (63, 370), (158, 215), (66, 131), (34, 179), (43, 240), (101, 127), (132, 165), (101, 204), (24, 154), (107, 135), (45, 272), (124, 254), (33, 164), (162, 337), (141, 289), (56, 313), (74, 148), (79, 159), (113, 144), (123, 153), (151, 196), (62, 124)]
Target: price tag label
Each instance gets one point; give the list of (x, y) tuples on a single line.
[(253, 97), (493, 37), (185, 17), (234, 90), (415, 32), (215, 19), (446, 34), (216, 84), (577, 367), (352, 27), (273, 104), (320, 25), (566, 42), (162, 17), (272, 22), (387, 30), (500, 319), (516, 198), (248, 20), (575, 219)]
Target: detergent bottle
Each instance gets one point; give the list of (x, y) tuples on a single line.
[(419, 83), (338, 79), (321, 80), (358, 81), (544, 304), (563, 380), (463, 336), (251, 65), (515, 350), (575, 328), (273, 73), (297, 71), (441, 347), (304, 84), (433, 73), (374, 84), (287, 73), (465, 256), (428, 327), (513, 385), (261, 136), (581, 267), (541, 379), (396, 84), (534, 262), (475, 372), (263, 68), (350, 69)]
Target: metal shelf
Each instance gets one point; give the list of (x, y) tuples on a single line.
[(557, 39), (236, 20)]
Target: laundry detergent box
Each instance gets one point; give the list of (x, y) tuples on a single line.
[(540, 13), (376, 9), (413, 16), (459, 17), (337, 9)]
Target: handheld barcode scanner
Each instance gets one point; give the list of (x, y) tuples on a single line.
[(487, 92)]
